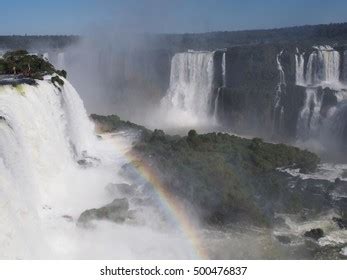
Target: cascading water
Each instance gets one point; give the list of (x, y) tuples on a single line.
[(309, 117), (320, 124), (219, 91), (189, 97), (323, 66), (299, 68), (278, 109), (335, 126), (224, 69), (44, 131)]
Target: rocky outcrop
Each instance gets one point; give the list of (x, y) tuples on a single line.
[(117, 211), (315, 233), (342, 223)]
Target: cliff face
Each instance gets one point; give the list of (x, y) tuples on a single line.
[(271, 90)]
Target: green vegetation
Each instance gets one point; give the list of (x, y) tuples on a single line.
[(230, 177), (113, 122), (227, 178), (27, 67)]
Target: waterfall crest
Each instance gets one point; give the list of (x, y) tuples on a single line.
[(299, 67)]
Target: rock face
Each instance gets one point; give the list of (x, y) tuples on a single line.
[(315, 233), (117, 211), (344, 74), (342, 223)]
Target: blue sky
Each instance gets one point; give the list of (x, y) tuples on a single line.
[(84, 16)]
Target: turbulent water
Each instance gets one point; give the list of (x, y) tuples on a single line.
[(44, 132), (299, 64), (189, 97)]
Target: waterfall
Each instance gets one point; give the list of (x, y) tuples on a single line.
[(299, 68), (189, 97), (335, 126), (309, 116), (282, 80), (278, 108), (216, 104), (36, 148), (224, 69), (317, 122), (323, 66), (44, 134)]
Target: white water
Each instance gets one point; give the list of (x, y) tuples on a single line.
[(309, 117), (299, 66), (188, 99), (43, 132), (317, 129), (224, 69), (278, 107), (323, 66), (296, 229), (216, 104)]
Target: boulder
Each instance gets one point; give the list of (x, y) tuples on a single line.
[(116, 211), (315, 233), (342, 223)]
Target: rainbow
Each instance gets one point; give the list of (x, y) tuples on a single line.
[(170, 202)]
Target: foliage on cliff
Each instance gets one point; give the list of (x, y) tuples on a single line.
[(113, 122), (21, 64)]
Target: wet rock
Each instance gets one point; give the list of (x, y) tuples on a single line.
[(88, 161), (283, 239), (117, 211), (337, 181), (315, 233), (84, 163), (342, 223)]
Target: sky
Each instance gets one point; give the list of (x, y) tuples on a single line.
[(162, 16)]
